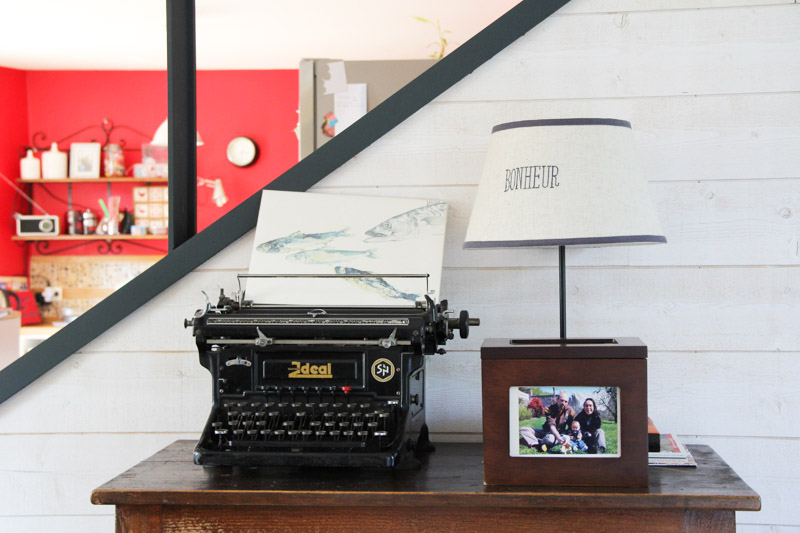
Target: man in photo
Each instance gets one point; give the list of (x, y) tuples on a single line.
[(557, 422)]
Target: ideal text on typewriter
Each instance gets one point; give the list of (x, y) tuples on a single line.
[(308, 386)]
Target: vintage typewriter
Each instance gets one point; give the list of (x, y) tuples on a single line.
[(308, 386)]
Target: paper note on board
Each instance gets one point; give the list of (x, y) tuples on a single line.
[(337, 78), (350, 105)]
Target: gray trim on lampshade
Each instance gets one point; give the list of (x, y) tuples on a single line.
[(562, 122), (588, 241)]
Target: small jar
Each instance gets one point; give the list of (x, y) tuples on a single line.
[(113, 161), (29, 167), (89, 222)]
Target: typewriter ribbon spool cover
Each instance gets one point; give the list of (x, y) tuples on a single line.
[(320, 359)]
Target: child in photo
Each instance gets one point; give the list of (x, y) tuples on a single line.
[(576, 438)]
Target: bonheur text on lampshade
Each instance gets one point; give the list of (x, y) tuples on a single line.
[(562, 182)]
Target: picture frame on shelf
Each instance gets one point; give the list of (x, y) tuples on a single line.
[(84, 160)]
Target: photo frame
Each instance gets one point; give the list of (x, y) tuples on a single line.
[(578, 368), (590, 418), (84, 160)]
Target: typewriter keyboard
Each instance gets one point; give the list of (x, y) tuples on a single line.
[(305, 424)]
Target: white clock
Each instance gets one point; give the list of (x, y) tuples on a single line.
[(242, 151)]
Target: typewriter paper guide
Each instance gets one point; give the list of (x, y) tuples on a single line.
[(308, 233)]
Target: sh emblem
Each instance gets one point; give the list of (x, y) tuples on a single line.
[(382, 370)]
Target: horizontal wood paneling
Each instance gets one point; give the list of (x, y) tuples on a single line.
[(65, 523), (51, 474), (770, 466), (152, 392), (649, 53), (613, 6), (680, 138), (688, 308)]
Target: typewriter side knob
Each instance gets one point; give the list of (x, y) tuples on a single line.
[(463, 322)]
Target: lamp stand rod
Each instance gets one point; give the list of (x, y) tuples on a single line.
[(562, 290)]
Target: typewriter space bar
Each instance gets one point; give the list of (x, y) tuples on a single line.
[(354, 342), (282, 445)]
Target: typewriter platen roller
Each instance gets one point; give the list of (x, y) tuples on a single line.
[(308, 386)]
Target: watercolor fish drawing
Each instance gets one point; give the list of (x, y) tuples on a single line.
[(299, 241), (407, 225), (328, 257), (375, 285)]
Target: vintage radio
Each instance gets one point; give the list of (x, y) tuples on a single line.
[(309, 386), (36, 225)]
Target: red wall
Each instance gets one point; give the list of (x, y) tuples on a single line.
[(13, 135), (259, 104)]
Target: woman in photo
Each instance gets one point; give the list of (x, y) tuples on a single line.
[(590, 421)]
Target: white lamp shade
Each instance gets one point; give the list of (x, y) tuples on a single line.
[(161, 137), (562, 182)]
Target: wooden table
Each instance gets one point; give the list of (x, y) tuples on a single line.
[(167, 492)]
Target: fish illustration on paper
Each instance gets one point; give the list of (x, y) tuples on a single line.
[(328, 257), (407, 225), (299, 241), (375, 285)]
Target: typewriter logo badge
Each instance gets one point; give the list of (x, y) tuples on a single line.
[(382, 370), (307, 370)]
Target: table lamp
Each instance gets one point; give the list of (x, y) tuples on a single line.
[(562, 182)]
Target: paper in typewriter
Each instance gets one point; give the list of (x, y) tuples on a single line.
[(309, 233)]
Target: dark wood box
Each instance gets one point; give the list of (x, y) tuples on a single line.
[(619, 363)]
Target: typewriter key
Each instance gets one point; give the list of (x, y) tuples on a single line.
[(347, 434), (363, 435), (278, 434), (335, 434), (306, 433)]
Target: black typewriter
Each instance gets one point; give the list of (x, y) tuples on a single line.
[(308, 386)]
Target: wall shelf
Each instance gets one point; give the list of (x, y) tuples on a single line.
[(105, 244), (89, 237), (45, 181)]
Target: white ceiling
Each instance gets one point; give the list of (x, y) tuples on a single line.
[(231, 34)]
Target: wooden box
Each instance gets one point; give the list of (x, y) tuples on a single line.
[(612, 372)]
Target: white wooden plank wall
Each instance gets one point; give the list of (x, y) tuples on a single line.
[(711, 88)]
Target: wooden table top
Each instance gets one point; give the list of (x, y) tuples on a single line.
[(452, 476)]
